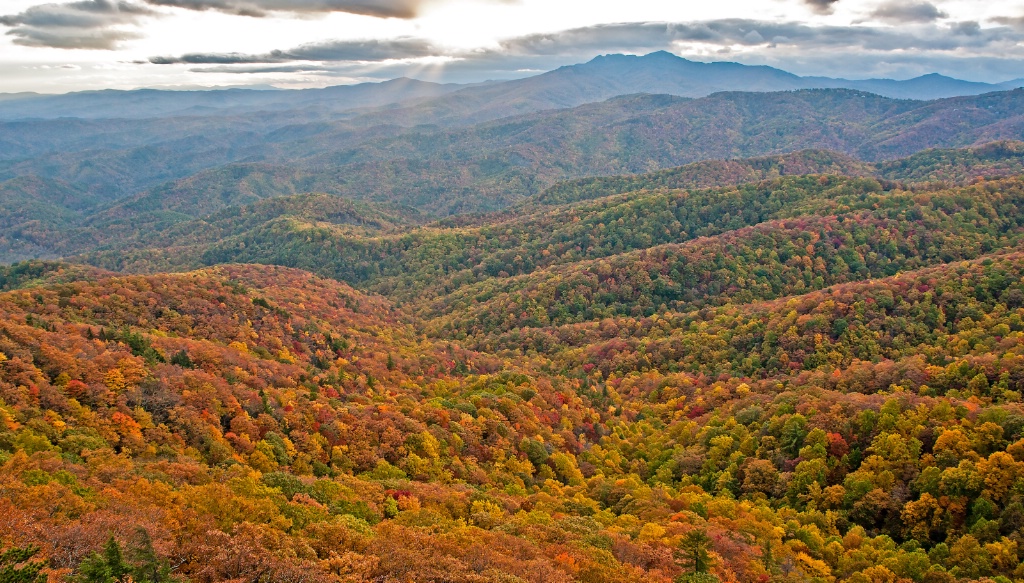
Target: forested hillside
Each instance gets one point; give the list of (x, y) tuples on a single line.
[(1004, 158), (618, 322), (183, 214), (465, 265), (171, 170), (490, 165), (800, 367)]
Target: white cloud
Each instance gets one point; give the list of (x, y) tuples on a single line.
[(473, 40)]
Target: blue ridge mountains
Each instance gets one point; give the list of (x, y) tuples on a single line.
[(78, 171)]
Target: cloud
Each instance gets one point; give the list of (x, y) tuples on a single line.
[(969, 28), (101, 24), (635, 37), (1015, 21), (88, 24), (380, 8), (645, 36), (354, 50), (900, 12), (366, 50), (218, 59), (261, 70), (822, 6), (260, 8), (863, 50)]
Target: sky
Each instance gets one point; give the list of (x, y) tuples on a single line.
[(57, 47)]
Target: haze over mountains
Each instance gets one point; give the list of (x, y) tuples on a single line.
[(92, 165), (150, 103), (600, 79)]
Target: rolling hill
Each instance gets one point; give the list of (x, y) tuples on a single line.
[(807, 376), (465, 138), (494, 165), (176, 217), (735, 328)]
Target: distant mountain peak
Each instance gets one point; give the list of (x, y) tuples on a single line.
[(656, 56), (664, 55), (601, 78)]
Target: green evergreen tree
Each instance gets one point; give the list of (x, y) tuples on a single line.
[(107, 567), (693, 552), (115, 559), (16, 566), (93, 569), (182, 359), (148, 566)]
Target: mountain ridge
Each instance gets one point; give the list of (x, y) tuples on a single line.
[(609, 75), (810, 377), (155, 103)]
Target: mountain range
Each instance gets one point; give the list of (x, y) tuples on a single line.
[(579, 388), (72, 201), (597, 80), (548, 331)]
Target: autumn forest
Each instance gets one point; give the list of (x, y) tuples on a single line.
[(797, 361)]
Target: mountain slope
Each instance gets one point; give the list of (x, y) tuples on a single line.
[(660, 72), (491, 165), (950, 165), (809, 377), (171, 223), (641, 252), (931, 86), (258, 422), (35, 212), (150, 103)]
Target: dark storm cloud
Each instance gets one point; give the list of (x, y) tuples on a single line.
[(822, 6), (356, 50), (380, 8), (89, 24), (899, 12)]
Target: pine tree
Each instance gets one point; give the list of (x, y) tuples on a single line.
[(27, 572), (693, 556), (182, 359), (93, 569), (115, 559), (108, 567), (148, 566)]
